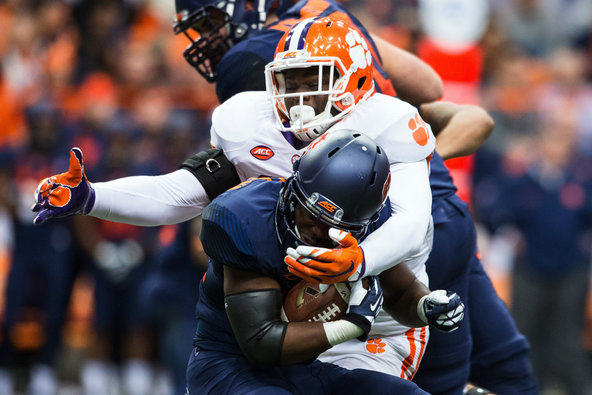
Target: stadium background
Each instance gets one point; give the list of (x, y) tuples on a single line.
[(108, 76)]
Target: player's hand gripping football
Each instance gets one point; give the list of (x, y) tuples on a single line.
[(364, 304), (64, 194), (328, 265), (441, 309)]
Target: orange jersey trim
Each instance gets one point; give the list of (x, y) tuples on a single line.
[(410, 364)]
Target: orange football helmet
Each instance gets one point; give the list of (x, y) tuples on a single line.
[(342, 55)]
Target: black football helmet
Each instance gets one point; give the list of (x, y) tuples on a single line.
[(342, 180), (214, 26)]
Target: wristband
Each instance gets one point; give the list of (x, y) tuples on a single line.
[(341, 331), (420, 310)]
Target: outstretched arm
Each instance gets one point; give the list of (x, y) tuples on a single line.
[(150, 200), (460, 129), (140, 200), (414, 80)]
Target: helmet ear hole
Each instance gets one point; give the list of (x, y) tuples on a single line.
[(333, 152), (361, 82)]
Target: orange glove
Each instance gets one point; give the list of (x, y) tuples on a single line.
[(325, 265), (64, 194)]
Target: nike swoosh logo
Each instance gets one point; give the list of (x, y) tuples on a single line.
[(373, 306)]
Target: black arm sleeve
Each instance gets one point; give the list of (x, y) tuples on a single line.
[(254, 317), (213, 170)]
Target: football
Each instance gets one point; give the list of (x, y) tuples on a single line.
[(308, 302)]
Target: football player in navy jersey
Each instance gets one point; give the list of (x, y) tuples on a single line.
[(242, 345)]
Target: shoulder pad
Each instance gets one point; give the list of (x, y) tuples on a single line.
[(235, 121), (396, 126)]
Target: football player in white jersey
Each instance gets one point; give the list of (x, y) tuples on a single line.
[(320, 79)]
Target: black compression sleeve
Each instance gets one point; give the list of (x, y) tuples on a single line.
[(254, 317)]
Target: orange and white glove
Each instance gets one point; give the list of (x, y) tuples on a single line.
[(64, 194), (328, 265)]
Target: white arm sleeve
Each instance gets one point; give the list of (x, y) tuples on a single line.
[(403, 234), (150, 200)]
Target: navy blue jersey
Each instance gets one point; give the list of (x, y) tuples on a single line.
[(241, 68), (443, 190), (239, 231)]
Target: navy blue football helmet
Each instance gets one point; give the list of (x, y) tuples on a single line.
[(214, 26), (342, 180)]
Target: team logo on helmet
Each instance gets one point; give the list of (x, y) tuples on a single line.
[(262, 152), (327, 206), (358, 50)]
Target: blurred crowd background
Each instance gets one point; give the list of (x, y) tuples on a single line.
[(94, 307)]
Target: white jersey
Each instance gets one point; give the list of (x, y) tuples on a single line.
[(244, 128)]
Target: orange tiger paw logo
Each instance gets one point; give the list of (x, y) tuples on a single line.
[(375, 346), (420, 131)]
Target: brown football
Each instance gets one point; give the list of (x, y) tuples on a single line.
[(306, 302)]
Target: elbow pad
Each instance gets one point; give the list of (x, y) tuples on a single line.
[(255, 320), (213, 170)]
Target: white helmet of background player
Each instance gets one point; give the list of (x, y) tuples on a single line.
[(338, 58)]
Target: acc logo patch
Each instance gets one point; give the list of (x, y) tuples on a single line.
[(291, 54), (295, 157), (262, 152), (327, 206)]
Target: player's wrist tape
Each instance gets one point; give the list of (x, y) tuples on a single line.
[(341, 331), (420, 310)]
